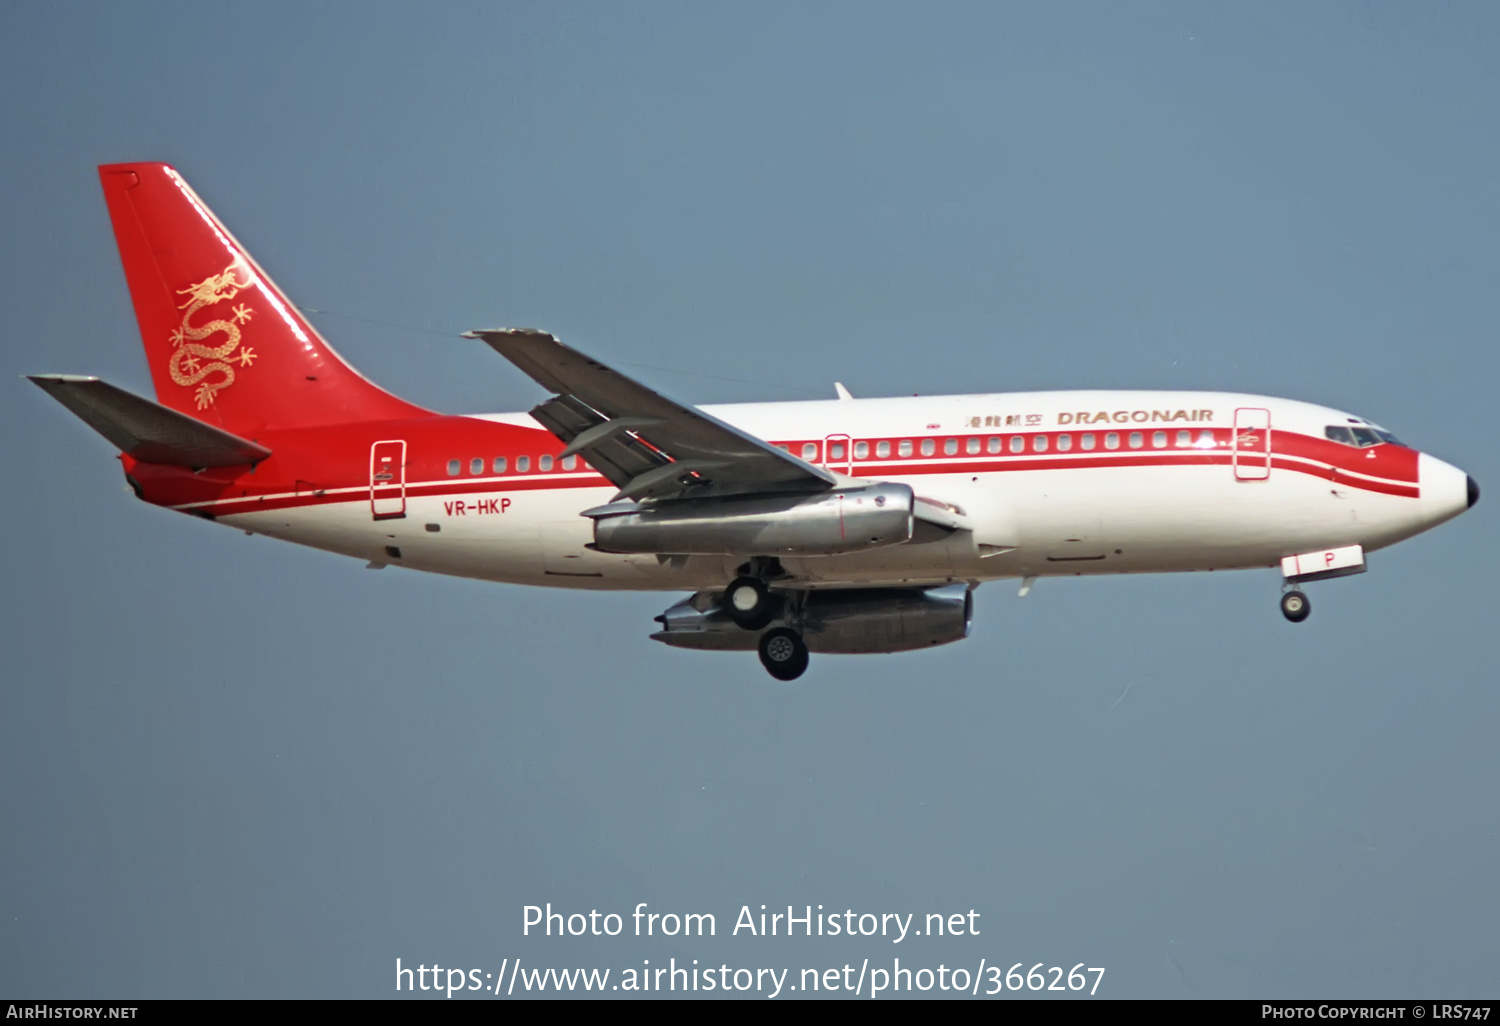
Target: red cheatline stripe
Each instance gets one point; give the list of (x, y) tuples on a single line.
[(1081, 461)]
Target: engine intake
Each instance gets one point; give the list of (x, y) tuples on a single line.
[(824, 524)]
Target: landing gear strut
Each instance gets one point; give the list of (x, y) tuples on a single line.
[(749, 603), (1294, 606), (783, 653)]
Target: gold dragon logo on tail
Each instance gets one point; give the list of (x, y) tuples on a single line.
[(207, 366)]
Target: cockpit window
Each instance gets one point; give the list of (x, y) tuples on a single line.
[(1362, 437)]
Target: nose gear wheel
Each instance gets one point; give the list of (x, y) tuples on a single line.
[(1295, 607)]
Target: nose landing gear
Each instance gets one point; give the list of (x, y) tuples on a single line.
[(1294, 605), (1324, 565)]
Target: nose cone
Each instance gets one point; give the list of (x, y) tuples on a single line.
[(1445, 490)]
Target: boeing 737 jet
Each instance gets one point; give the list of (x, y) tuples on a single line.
[(839, 526)]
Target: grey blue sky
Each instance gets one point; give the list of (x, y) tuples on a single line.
[(236, 767)]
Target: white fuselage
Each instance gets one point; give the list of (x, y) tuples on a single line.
[(1061, 483)]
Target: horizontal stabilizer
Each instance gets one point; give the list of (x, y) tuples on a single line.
[(147, 431)]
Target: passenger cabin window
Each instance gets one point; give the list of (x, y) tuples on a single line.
[(950, 447), (882, 449), (905, 447), (973, 446), (1158, 439), (861, 450), (476, 466), (523, 464), (1206, 439), (1017, 443), (545, 463), (810, 451), (928, 447), (1039, 443), (1064, 443), (994, 445), (1112, 440), (1184, 439), (1086, 441), (1136, 440), (569, 462), (454, 466), (499, 464), (835, 450)]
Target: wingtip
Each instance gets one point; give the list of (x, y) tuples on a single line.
[(481, 332), (44, 380), (488, 334)]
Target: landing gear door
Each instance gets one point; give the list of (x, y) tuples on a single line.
[(1252, 444), (388, 480), (838, 454)]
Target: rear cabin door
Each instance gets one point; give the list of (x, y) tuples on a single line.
[(388, 480), (838, 454), (1252, 444)]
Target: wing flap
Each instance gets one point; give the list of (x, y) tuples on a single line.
[(145, 430), (618, 455), (631, 434)]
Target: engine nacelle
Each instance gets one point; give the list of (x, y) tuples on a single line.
[(848, 621), (824, 524)]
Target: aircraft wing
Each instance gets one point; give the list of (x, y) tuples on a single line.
[(649, 446)]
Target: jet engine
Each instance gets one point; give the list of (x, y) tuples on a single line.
[(822, 524), (854, 620)]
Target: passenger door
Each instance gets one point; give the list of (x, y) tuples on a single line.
[(1252, 444), (388, 480)]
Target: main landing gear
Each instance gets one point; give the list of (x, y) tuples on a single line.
[(1294, 605), (783, 653), (749, 603)]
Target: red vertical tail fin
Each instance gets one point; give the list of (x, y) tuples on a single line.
[(223, 342)]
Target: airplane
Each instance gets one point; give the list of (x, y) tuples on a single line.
[(832, 526)]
